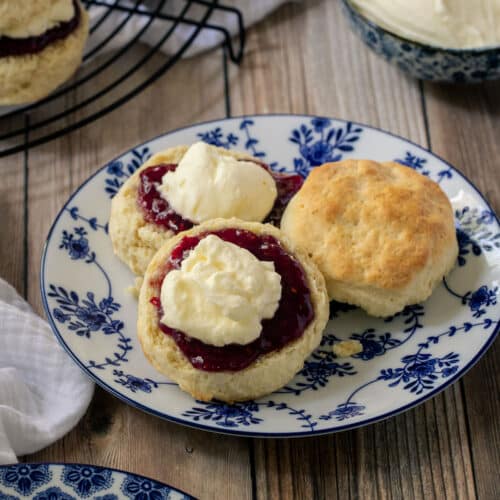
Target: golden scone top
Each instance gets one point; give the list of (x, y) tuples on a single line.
[(368, 223), (33, 17)]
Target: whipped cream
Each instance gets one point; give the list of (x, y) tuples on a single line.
[(455, 24), (55, 12), (207, 185), (220, 294)]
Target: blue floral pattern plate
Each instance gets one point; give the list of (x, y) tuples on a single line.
[(406, 358), (76, 481)]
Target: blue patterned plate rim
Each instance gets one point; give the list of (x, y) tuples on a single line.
[(434, 48), (100, 467), (241, 432)]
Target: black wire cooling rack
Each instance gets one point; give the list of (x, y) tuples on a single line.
[(109, 78)]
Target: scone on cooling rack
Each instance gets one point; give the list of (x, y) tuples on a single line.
[(230, 310), (41, 46), (185, 186), (382, 234)]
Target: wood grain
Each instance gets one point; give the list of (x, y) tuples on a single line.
[(12, 226), (297, 62), (464, 123)]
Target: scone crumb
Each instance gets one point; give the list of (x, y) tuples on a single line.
[(136, 287), (346, 348)]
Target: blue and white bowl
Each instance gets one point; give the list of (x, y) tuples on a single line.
[(423, 61)]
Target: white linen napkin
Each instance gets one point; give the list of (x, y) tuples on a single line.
[(252, 11), (43, 394)]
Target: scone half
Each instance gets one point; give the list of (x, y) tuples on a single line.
[(28, 77), (382, 234), (135, 240), (265, 374)]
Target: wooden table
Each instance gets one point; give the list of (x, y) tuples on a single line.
[(302, 59)]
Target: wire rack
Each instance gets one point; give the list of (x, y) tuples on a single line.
[(127, 50)]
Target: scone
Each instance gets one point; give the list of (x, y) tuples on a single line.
[(382, 234), (185, 186), (230, 310), (41, 46)]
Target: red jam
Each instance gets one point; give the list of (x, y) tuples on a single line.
[(157, 210), (287, 185), (33, 44), (295, 311), (154, 207)]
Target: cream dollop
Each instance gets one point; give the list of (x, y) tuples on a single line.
[(56, 12), (456, 24), (220, 294), (207, 185)]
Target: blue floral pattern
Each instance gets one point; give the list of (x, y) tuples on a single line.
[(322, 143), (226, 415), (137, 488), (418, 163), (87, 480), (479, 300), (25, 478), (215, 137), (397, 352), (378, 344), (118, 172), (473, 233), (53, 493), (75, 481)]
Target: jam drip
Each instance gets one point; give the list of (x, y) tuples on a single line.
[(33, 44), (157, 210), (295, 311), (154, 207), (287, 185)]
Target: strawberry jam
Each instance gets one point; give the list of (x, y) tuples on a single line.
[(156, 209), (33, 44), (295, 310)]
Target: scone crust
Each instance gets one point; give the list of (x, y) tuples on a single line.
[(15, 13), (268, 372), (28, 78), (135, 240), (382, 234)]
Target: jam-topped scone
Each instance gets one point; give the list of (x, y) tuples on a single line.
[(382, 234), (185, 186), (41, 46), (230, 310)]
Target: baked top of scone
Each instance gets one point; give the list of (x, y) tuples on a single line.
[(376, 224), (23, 19), (33, 65), (183, 186), (217, 358)]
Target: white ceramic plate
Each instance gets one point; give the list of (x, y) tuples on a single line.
[(75, 481), (405, 360)]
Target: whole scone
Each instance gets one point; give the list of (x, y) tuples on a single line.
[(48, 58), (265, 374), (135, 240), (382, 234)]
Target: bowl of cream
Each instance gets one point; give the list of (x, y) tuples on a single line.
[(439, 40)]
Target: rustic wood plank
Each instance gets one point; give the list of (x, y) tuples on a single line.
[(12, 226), (112, 433), (304, 59), (12, 194), (464, 128)]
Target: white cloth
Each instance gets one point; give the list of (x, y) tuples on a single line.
[(252, 11), (43, 393)]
